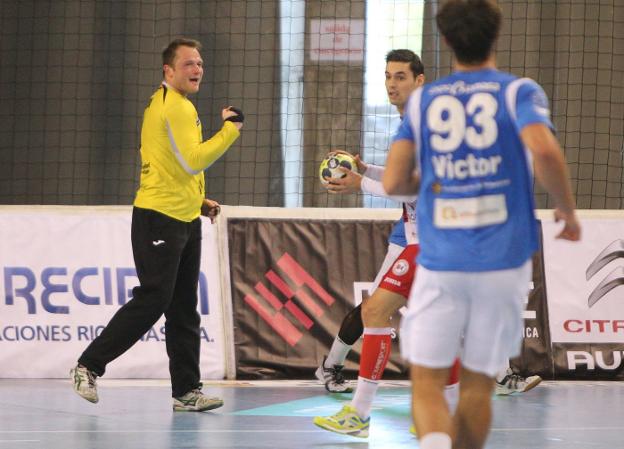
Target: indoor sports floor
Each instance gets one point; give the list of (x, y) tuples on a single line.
[(278, 414)]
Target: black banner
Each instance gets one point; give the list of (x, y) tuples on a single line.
[(536, 356), (292, 283)]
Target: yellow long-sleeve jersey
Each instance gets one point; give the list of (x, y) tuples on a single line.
[(174, 155)]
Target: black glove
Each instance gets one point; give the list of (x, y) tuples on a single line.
[(239, 117)]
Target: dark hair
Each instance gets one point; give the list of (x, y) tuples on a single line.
[(402, 55), (470, 28), (169, 53)]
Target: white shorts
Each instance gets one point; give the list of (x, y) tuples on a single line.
[(476, 315), (394, 251)]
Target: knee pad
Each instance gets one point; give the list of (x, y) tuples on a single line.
[(352, 326)]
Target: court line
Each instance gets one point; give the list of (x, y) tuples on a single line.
[(160, 431), (517, 429), (525, 429)]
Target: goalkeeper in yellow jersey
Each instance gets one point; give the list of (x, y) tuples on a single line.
[(166, 232)]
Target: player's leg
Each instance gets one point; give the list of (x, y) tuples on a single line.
[(492, 335), (451, 390), (474, 411), (431, 332), (182, 330), (353, 419), (430, 411), (376, 346), (391, 295), (182, 319), (330, 370), (377, 312), (157, 267)]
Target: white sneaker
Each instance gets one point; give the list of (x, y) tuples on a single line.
[(84, 383), (515, 383), (332, 378), (195, 401)]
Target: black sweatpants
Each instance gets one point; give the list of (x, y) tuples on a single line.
[(167, 256)]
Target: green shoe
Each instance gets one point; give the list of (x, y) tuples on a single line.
[(84, 383), (346, 422), (195, 401)]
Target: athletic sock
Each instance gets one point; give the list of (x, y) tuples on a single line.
[(376, 349), (451, 391), (337, 353), (436, 440), (451, 394), (364, 395)]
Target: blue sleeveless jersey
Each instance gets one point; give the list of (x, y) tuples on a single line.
[(397, 236), (475, 210)]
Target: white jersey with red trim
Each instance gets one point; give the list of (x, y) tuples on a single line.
[(409, 220), (371, 183)]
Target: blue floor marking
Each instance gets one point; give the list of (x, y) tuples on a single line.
[(389, 402)]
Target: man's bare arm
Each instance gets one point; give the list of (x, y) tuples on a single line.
[(551, 172), (400, 177)]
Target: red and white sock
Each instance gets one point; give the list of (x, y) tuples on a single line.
[(376, 349), (451, 391)]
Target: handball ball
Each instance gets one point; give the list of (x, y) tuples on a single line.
[(329, 166)]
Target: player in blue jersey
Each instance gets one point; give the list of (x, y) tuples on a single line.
[(470, 144)]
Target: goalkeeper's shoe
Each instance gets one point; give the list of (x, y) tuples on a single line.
[(333, 378), (83, 381), (514, 383), (346, 422), (195, 401)]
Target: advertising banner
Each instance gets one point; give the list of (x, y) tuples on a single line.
[(64, 272), (536, 355), (286, 283), (292, 283), (585, 286)]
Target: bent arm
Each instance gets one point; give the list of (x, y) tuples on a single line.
[(185, 139), (375, 187), (374, 172), (550, 168), (400, 176), (212, 149), (551, 172)]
